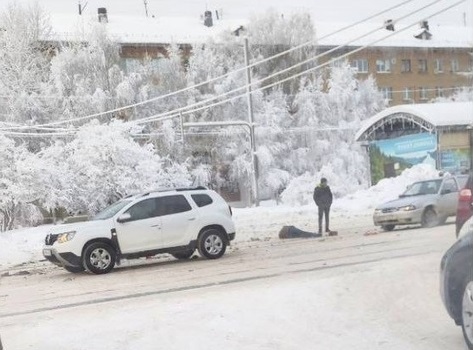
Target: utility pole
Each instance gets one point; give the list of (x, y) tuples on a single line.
[(145, 2), (81, 9), (255, 198), (470, 135)]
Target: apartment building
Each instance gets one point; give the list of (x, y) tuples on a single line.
[(411, 62), (414, 66)]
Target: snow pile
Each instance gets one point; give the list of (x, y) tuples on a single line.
[(385, 190), (20, 246), (300, 190)]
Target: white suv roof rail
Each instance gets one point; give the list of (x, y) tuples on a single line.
[(168, 189)]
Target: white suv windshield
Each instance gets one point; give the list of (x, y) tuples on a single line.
[(111, 210)]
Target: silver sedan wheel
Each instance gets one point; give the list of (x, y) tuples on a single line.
[(100, 258), (467, 312), (213, 244)]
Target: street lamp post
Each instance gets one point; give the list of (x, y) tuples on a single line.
[(470, 132), (251, 124)]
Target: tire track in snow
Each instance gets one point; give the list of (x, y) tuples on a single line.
[(212, 284)]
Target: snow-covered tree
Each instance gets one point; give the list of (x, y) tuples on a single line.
[(332, 117), (23, 64), (104, 163), (461, 95), (18, 181), (272, 33)]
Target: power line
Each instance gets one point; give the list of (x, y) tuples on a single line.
[(224, 75), (182, 111), (161, 118)]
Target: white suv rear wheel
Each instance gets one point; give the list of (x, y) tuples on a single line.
[(212, 244)]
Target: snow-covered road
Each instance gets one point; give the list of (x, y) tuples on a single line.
[(362, 291)]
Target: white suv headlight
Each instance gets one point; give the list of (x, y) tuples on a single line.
[(66, 236)]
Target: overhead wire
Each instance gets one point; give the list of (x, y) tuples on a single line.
[(182, 111), (224, 75), (165, 117)]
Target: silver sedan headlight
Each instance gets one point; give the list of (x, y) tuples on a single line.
[(66, 236), (408, 208), (378, 211)]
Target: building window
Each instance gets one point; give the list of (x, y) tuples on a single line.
[(439, 92), (406, 66), (383, 66), (422, 66), (407, 94), (360, 65), (455, 65), (387, 93), (438, 66), (423, 93), (337, 62), (132, 64)]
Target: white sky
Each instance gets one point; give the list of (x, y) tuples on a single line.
[(332, 10)]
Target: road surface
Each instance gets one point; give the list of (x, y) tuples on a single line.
[(375, 290)]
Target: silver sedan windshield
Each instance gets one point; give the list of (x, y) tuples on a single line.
[(423, 188)]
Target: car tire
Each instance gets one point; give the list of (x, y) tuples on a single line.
[(442, 220), (211, 244), (74, 269), (388, 227), (99, 258), (429, 218), (183, 255), (467, 313)]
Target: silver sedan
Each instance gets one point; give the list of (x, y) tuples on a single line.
[(428, 203)]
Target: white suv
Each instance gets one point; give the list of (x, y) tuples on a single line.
[(174, 221)]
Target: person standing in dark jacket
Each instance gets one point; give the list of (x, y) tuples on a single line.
[(323, 198)]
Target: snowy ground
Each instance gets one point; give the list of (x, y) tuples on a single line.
[(357, 291)]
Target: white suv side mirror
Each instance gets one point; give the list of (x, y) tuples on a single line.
[(124, 218)]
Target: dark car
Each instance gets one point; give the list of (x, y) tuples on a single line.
[(456, 283), (465, 204)]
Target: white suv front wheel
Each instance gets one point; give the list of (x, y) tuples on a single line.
[(212, 244), (99, 258)]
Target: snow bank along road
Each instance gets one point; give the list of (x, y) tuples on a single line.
[(368, 291)]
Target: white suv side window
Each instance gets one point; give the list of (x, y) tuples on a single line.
[(143, 210), (172, 205), (202, 199)]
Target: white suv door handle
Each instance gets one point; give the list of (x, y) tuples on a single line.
[(158, 226), (190, 219)]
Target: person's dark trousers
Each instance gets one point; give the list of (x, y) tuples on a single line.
[(324, 211)]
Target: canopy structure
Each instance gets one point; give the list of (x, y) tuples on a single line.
[(414, 118)]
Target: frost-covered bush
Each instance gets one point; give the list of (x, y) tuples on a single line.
[(104, 163)]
